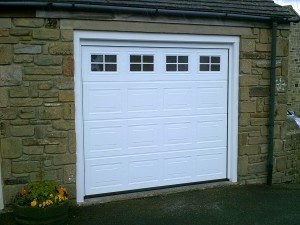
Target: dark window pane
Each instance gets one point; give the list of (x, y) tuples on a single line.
[(215, 59), (110, 67), (97, 67), (183, 59), (148, 67), (111, 58), (215, 67), (183, 67), (135, 58), (204, 59), (204, 67), (171, 67), (148, 59), (171, 59), (135, 67), (97, 58)]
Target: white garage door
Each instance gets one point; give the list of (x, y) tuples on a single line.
[(153, 116)]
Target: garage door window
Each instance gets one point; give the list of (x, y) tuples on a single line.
[(177, 63), (210, 63), (140, 63), (102, 62)]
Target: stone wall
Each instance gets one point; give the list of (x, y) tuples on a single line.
[(37, 98), (294, 78), (254, 109), (37, 102), (293, 136)]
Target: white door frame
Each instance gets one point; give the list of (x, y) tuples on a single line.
[(83, 38)]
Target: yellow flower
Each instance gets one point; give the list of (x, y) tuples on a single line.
[(33, 203), (51, 195), (40, 205)]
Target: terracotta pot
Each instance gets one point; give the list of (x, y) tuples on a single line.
[(52, 215)]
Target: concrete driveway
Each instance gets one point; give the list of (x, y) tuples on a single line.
[(241, 205)]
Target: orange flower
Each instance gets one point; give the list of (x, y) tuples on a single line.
[(62, 191), (24, 192)]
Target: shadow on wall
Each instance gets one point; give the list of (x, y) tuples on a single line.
[(293, 138)]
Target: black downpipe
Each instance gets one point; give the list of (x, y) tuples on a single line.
[(272, 103)]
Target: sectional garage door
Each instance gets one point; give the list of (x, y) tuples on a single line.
[(153, 116)]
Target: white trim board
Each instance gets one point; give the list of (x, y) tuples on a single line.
[(139, 39)]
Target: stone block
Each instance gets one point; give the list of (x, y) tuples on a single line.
[(249, 150), (8, 113), (247, 106), (248, 45), (61, 48), (66, 160), (68, 66), (5, 23), (28, 22), (244, 119), (281, 164), (282, 47), (27, 49), (11, 148), (69, 176), (69, 111), (48, 60), (33, 150), (46, 34), (25, 167), (4, 33), (22, 131), (48, 94), (23, 58), (9, 40), (248, 80), (56, 149), (258, 168), (243, 165), (263, 47), (66, 96), (64, 83), (72, 141), (63, 125), (265, 36), (20, 32), (4, 97), (259, 121), (26, 102), (246, 66), (10, 75), (259, 91), (6, 54), (50, 113), (67, 35), (258, 140), (45, 85), (43, 70), (19, 92)]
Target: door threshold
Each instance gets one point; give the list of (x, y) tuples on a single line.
[(159, 191)]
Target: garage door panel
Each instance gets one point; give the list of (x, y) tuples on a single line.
[(212, 166), (150, 170), (138, 100), (145, 129), (105, 174), (165, 134)]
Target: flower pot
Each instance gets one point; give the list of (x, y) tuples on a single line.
[(52, 215)]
